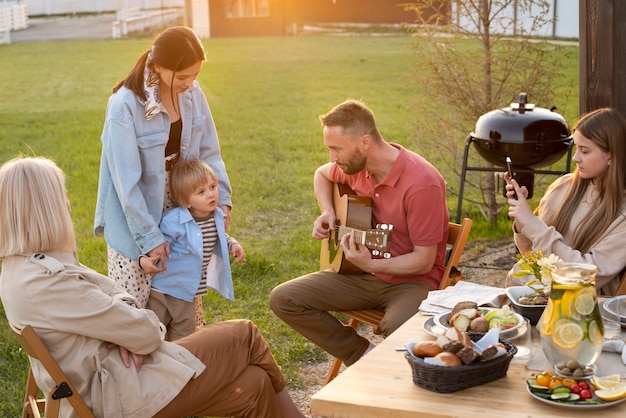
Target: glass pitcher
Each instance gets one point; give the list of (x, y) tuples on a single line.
[(571, 326)]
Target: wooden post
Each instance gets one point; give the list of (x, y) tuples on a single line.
[(602, 48)]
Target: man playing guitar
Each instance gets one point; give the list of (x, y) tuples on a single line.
[(406, 192)]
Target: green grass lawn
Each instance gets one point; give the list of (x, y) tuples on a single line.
[(266, 95)]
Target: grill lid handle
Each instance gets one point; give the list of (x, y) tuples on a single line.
[(522, 104)]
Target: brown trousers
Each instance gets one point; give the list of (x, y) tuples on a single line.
[(241, 378), (305, 304)]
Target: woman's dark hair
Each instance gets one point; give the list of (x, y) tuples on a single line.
[(175, 48)]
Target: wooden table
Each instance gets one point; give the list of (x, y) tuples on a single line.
[(380, 386)]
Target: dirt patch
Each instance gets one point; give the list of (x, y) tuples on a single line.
[(485, 262)]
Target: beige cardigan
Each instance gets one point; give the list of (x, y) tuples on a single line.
[(76, 311), (607, 254)]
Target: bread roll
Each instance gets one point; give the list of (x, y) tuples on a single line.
[(479, 324), (426, 349), (449, 359), (453, 347), (454, 334), (467, 355), (463, 305)]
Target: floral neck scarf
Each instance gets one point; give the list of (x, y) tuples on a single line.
[(152, 90)]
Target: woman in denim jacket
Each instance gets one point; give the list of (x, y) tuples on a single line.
[(157, 115)]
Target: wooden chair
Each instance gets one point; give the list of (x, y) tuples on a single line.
[(64, 389), (457, 237)]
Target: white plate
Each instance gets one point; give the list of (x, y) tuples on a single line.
[(441, 321), (604, 404), (431, 328)]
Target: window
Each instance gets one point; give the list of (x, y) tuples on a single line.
[(247, 8)]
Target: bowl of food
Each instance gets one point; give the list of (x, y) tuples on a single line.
[(527, 301), (481, 319)]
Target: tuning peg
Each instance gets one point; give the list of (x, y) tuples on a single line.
[(387, 255), (375, 252)]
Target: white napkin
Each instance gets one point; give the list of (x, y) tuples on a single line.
[(615, 346), (490, 338), (439, 301)]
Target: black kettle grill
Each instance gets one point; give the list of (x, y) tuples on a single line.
[(532, 137)]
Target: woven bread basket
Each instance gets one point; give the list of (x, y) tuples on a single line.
[(443, 379)]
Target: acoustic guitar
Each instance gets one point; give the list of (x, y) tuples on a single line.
[(353, 214)]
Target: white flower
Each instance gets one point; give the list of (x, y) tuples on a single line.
[(538, 265), (545, 265)]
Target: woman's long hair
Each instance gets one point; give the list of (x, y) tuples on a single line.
[(606, 128), (175, 48), (34, 210)]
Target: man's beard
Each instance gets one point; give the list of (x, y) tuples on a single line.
[(355, 164)]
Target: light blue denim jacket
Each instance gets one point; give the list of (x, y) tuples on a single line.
[(131, 187), (184, 267)]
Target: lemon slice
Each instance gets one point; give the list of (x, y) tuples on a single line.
[(568, 334), (612, 394), (584, 304), (607, 382), (595, 336), (547, 324), (561, 286)]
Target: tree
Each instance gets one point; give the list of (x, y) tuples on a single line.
[(478, 55)]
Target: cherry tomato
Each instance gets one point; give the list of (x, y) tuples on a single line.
[(585, 394), (575, 388), (543, 380), (554, 382), (584, 385)]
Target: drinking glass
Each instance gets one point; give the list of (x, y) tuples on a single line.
[(611, 319), (571, 325), (523, 342)]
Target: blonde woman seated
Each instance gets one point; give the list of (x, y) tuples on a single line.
[(114, 352)]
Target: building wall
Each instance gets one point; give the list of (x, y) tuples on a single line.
[(197, 17), (224, 26), (348, 11)]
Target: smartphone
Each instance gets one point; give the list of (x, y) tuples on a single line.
[(509, 170), (509, 167)]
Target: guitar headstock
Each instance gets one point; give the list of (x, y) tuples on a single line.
[(378, 239)]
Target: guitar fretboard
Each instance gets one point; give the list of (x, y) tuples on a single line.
[(359, 236)]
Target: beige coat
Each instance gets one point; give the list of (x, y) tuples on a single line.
[(76, 312), (607, 254)]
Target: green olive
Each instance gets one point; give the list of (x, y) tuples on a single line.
[(572, 365)]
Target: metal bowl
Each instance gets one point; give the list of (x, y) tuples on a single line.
[(441, 320)]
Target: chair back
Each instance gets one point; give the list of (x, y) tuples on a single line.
[(457, 238), (64, 389)]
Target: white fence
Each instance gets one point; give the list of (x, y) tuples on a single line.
[(13, 16), (54, 7), (133, 20)]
